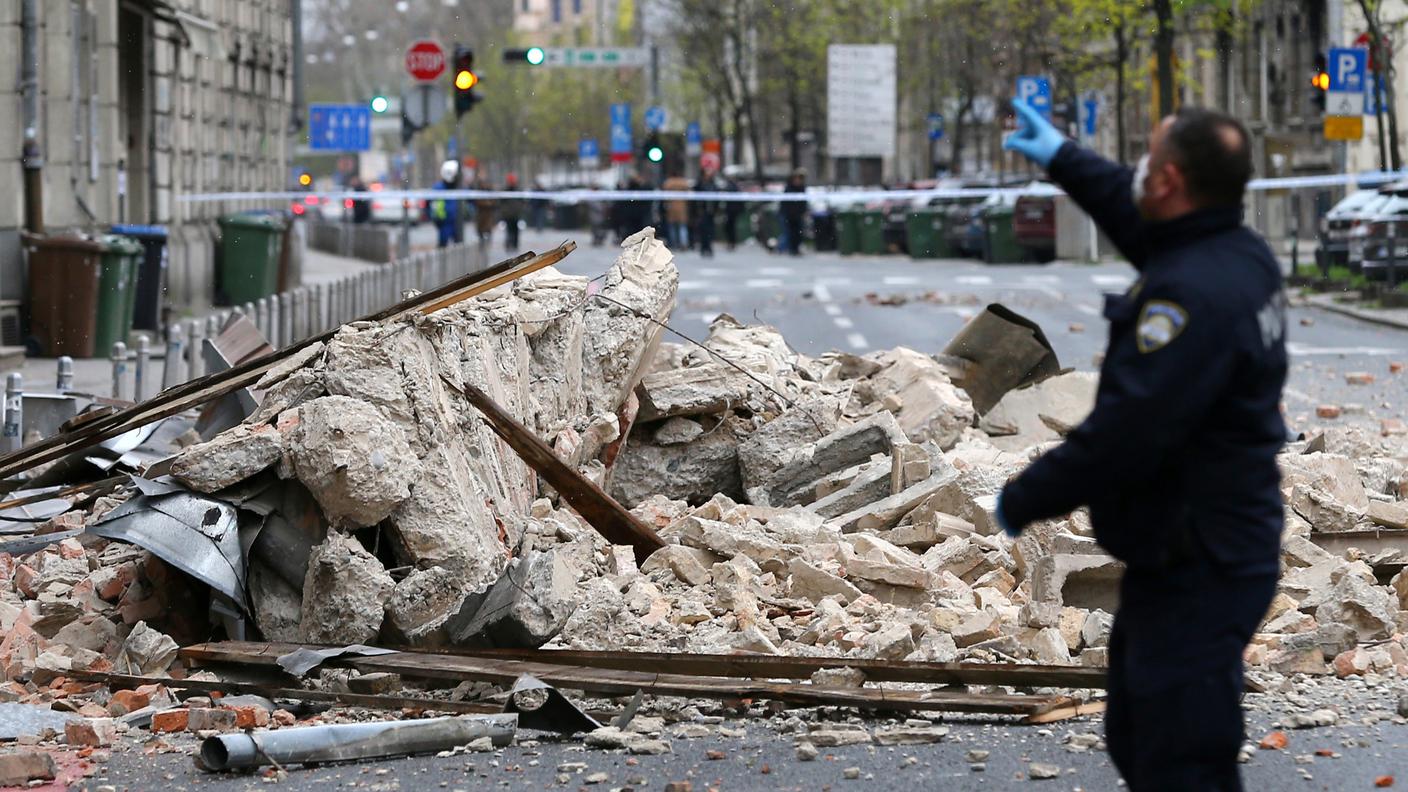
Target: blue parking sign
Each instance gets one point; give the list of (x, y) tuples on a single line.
[(1347, 68), (621, 141), (936, 126), (1036, 91)]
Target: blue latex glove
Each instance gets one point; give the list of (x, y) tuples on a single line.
[(1035, 137), (1002, 522)]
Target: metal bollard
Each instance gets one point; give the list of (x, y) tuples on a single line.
[(261, 317), (317, 310), (276, 335), (175, 356), (119, 368), (195, 350), (286, 329), (143, 370), (11, 436), (299, 305), (64, 382)]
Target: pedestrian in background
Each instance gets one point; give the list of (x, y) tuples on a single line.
[(361, 206), (511, 209), (704, 211), (537, 208), (676, 214), (485, 213), (732, 211), (445, 212), (1177, 462), (792, 213)]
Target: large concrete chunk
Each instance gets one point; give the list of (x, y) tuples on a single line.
[(772, 445), (1042, 412), (1078, 580), (356, 463), (931, 406), (421, 604), (709, 389), (618, 343), (693, 471), (228, 458), (446, 520), (794, 483), (344, 594), (887, 512), (526, 608), (1370, 610)]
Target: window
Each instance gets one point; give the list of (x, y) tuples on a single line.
[(557, 10), (577, 7)]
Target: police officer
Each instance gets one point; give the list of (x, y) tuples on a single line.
[(445, 212), (1177, 462)]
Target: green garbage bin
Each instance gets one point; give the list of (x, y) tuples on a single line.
[(926, 231), (848, 231), (872, 232), (249, 256), (117, 290), (999, 240)]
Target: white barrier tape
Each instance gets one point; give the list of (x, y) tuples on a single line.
[(835, 198)]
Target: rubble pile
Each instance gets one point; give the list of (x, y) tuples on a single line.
[(838, 506)]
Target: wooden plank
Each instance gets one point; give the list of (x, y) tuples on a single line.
[(121, 681), (67, 492), (196, 392), (601, 511), (612, 682), (769, 667), (1066, 711)]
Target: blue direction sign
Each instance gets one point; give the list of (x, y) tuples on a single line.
[(692, 134), (1090, 114), (655, 118), (1373, 92), (339, 127), (936, 126), (622, 143), (588, 153), (1035, 91)]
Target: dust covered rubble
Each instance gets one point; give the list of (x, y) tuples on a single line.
[(837, 506)]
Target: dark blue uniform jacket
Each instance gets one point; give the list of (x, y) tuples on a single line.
[(1179, 454)]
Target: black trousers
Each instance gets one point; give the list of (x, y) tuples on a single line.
[(510, 233), (1174, 717)]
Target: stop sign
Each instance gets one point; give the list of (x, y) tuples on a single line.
[(425, 60)]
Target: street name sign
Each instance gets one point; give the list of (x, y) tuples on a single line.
[(595, 57), (860, 100)]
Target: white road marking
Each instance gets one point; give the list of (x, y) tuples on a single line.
[(708, 316), (832, 309), (693, 285), (1120, 281), (900, 280), (857, 341), (1303, 349), (784, 271), (1041, 279), (843, 323), (712, 272), (837, 281), (822, 293), (1088, 310), (763, 283), (975, 280)]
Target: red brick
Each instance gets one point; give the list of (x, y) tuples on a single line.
[(97, 732), (1327, 411), (125, 701), (1359, 378), (250, 717), (26, 578), (112, 581), (70, 548), (284, 717), (173, 720), (1392, 427), (1395, 368)]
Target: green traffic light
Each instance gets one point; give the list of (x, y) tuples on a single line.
[(379, 104), (535, 56), (655, 154)]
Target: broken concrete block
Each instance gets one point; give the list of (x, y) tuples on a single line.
[(91, 732), (692, 472), (421, 604), (1399, 584), (1042, 412), (933, 407), (145, 651), (709, 389), (344, 594), (975, 629), (866, 557), (446, 520), (277, 604), (921, 536), (525, 608), (355, 462), (854, 489), (891, 642), (1082, 581), (813, 584), (688, 564), (887, 512), (1049, 646), (677, 431), (793, 483), (970, 495), (1095, 633), (1366, 608), (228, 458), (1389, 515), (18, 768), (772, 445)]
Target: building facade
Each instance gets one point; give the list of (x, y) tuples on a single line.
[(139, 103)]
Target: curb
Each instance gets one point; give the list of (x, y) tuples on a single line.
[(1361, 315)]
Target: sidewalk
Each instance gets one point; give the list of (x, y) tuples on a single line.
[(1388, 317)]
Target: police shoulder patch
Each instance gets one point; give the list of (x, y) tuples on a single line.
[(1159, 323)]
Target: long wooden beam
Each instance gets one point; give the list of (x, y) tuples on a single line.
[(196, 392)]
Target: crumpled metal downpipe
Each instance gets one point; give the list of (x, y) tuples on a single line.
[(345, 742)]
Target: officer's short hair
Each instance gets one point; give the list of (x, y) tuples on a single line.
[(1213, 150)]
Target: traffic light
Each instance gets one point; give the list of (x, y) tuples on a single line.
[(305, 179), (380, 104), (652, 150), (1319, 83), (465, 80), (533, 56)]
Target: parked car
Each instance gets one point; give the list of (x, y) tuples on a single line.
[(963, 236), (1339, 224), (1383, 237), (1034, 221)]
